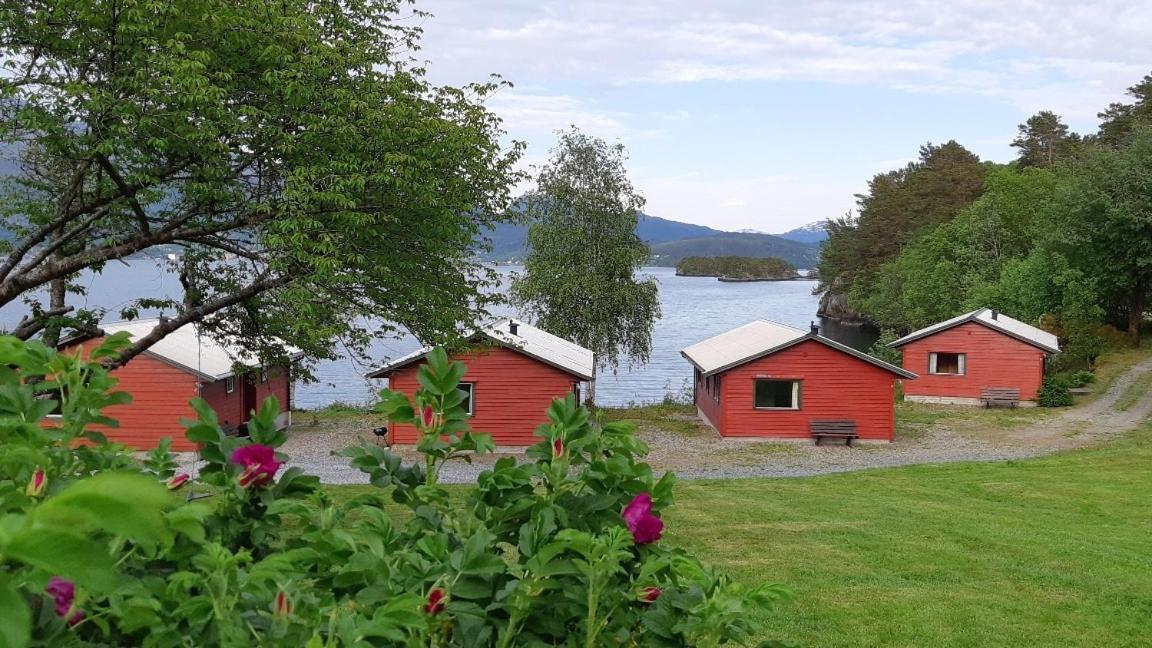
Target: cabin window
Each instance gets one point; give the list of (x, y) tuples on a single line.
[(716, 394), (263, 375), (229, 384), (946, 364), (777, 394), (469, 401)]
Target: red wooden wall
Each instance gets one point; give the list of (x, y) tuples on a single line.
[(511, 395), (706, 401), (834, 385), (160, 395), (993, 360)]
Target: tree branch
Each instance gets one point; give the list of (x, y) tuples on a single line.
[(33, 324), (261, 285), (127, 192)]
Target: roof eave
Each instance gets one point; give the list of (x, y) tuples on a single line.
[(976, 320)]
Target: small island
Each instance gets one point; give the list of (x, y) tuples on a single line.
[(737, 268)]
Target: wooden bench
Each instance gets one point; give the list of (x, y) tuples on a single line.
[(1009, 396), (833, 429)]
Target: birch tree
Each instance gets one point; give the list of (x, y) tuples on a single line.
[(580, 277)]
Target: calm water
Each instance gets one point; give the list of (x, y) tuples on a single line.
[(694, 308)]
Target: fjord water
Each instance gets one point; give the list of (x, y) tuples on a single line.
[(693, 308)]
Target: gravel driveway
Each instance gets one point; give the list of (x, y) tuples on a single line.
[(948, 436)]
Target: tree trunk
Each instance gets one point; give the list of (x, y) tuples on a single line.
[(1136, 315), (591, 400), (57, 291)]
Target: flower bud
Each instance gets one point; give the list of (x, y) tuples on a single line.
[(435, 604), (428, 416), (37, 484), (283, 604), (557, 448), (649, 594), (177, 481)]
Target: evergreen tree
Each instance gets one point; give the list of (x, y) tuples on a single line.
[(1120, 120), (1044, 140), (579, 278)]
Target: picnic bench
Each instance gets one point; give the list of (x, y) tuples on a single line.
[(833, 429), (1008, 396)]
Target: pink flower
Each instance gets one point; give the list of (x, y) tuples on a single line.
[(177, 481), (557, 448), (428, 416), (260, 464), (650, 594), (283, 604), (644, 526), (63, 593), (37, 484), (435, 604)]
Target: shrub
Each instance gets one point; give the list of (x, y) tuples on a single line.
[(562, 550), (1054, 393), (1081, 378), (880, 349)]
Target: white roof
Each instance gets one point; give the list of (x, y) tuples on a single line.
[(760, 338), (740, 344), (994, 320), (198, 354), (529, 340)]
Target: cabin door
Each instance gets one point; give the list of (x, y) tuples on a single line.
[(248, 394)]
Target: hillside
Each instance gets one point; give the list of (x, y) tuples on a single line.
[(682, 240), (800, 255)]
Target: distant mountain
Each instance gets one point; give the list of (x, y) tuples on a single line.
[(801, 255), (810, 233), (509, 241), (672, 240)]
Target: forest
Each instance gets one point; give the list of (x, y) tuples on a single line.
[(737, 267), (1060, 237)]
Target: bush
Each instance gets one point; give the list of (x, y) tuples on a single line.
[(1054, 393), (1081, 378), (881, 351), (562, 550)]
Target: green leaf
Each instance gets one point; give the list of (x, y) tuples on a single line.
[(63, 553), (15, 618), (127, 504)]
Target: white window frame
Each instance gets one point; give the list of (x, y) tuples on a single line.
[(263, 375), (796, 404), (230, 385), (469, 387), (961, 363)]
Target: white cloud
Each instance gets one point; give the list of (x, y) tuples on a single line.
[(1061, 55)]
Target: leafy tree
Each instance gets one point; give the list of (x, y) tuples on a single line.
[(292, 153), (579, 278), (900, 206), (1045, 140), (1120, 120), (1105, 211)]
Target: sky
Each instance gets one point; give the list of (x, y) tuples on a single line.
[(769, 115)]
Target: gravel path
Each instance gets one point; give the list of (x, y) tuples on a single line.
[(968, 436)]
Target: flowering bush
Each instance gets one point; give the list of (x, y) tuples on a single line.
[(565, 549)]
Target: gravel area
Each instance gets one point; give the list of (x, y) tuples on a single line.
[(967, 435)]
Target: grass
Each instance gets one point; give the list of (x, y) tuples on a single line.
[(670, 417), (754, 453), (913, 420), (1135, 392), (1043, 552), (1113, 363), (336, 411)]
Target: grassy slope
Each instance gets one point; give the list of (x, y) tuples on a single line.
[(1044, 552)]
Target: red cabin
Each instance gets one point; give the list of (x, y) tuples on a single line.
[(178, 368), (515, 371), (959, 358), (769, 380)]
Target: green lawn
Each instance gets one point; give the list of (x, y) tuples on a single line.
[(1044, 552)]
